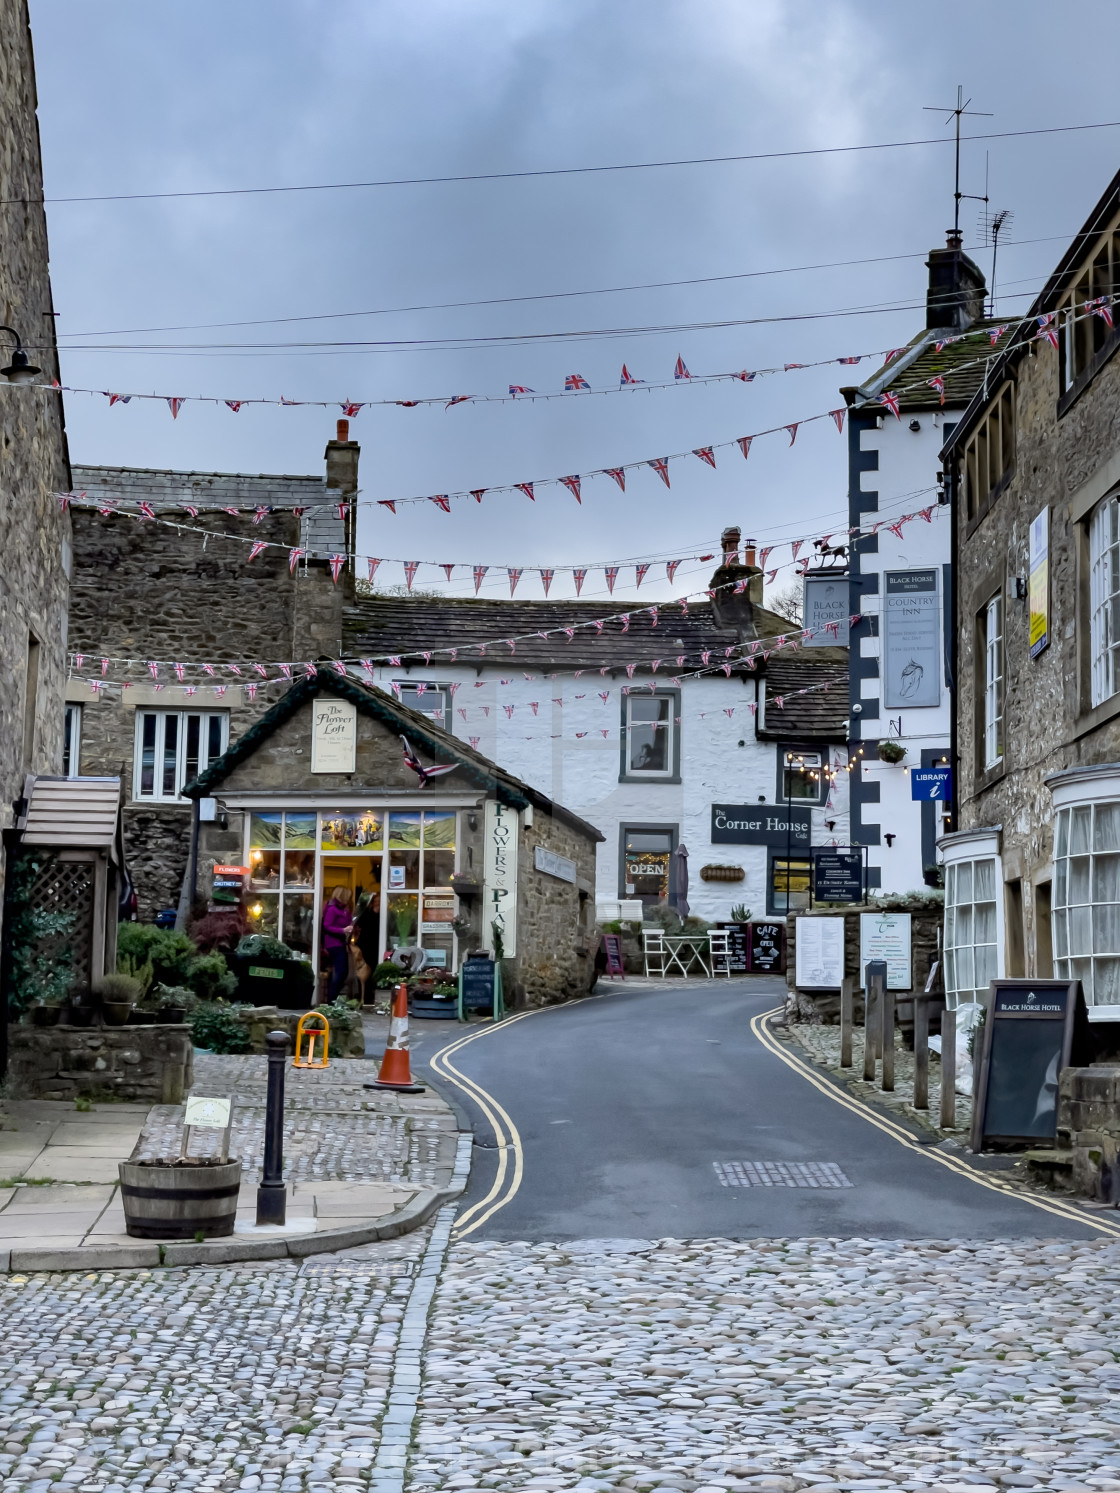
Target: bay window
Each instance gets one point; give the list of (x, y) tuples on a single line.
[(971, 928), (1085, 900)]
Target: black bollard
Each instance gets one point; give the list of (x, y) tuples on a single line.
[(272, 1195)]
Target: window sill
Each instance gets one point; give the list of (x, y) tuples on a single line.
[(648, 778), (1098, 716), (159, 803), (988, 777)]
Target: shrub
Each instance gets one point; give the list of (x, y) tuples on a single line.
[(386, 975), (140, 974), (342, 1015), (119, 988), (171, 995), (40, 951), (220, 929), (168, 952), (210, 977), (261, 946), (218, 1027)]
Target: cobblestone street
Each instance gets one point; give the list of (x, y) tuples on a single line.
[(592, 1365)]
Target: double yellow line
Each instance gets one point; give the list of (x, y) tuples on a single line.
[(993, 1181), (507, 1178)]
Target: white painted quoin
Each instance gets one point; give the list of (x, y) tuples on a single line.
[(650, 768), (900, 584)]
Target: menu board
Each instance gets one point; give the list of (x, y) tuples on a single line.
[(820, 953), (739, 946), (1028, 1037), (477, 977)]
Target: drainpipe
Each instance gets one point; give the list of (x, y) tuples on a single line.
[(190, 881)]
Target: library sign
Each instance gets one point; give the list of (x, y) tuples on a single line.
[(776, 825)]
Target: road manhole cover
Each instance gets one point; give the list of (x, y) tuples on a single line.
[(780, 1174)]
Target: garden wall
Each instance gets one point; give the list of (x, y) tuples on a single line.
[(146, 1064)]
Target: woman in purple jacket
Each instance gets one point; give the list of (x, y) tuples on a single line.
[(337, 926)]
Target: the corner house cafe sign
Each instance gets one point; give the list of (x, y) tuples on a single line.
[(775, 825)]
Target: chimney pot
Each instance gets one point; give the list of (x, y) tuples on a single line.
[(729, 540), (748, 552), (343, 430)]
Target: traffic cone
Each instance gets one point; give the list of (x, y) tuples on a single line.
[(395, 1072)]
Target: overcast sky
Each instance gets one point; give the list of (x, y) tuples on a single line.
[(136, 98)]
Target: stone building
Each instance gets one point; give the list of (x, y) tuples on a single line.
[(318, 794), (901, 579), (666, 727), (147, 593), (34, 530), (1033, 866)]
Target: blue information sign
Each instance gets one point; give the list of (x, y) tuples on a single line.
[(931, 782)]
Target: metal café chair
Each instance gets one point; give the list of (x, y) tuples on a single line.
[(719, 951), (653, 948)]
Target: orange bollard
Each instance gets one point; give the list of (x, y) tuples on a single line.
[(395, 1071)]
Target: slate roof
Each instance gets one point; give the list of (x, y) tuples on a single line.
[(394, 625), (820, 716), (963, 365), (423, 734), (173, 489)]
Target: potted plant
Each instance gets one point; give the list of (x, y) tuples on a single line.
[(433, 999), (179, 1199), (891, 751), (46, 1013), (118, 994), (169, 1004)]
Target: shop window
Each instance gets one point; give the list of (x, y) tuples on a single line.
[(1104, 600), (971, 929), (172, 748), (281, 889), (651, 736), (432, 700), (989, 455), (789, 884), (647, 858), (801, 777), (72, 742), (347, 830), (992, 626), (1085, 900)]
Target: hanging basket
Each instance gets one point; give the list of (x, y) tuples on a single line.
[(891, 751), (721, 873)]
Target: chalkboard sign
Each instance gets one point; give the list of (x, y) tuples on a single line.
[(612, 947), (739, 946), (1028, 1039), (480, 988), (767, 948)]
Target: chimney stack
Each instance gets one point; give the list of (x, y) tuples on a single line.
[(342, 460), (955, 298), (737, 585)]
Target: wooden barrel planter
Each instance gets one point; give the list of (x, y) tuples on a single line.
[(178, 1202)]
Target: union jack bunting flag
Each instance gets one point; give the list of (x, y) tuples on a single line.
[(233, 404), (349, 409), (118, 399), (938, 383), (336, 563), (671, 568), (640, 573), (372, 565), (447, 569), (611, 573), (259, 513), (1047, 329), (410, 569), (847, 360), (747, 378), (527, 489), (628, 377), (890, 399), (744, 445), (894, 353), (514, 577), (479, 574), (679, 370), (838, 416), (425, 774), (705, 453), (546, 579), (1101, 308), (476, 493), (793, 431), (576, 381), (457, 399), (572, 484), (516, 389), (579, 576), (174, 405), (441, 500), (996, 333), (257, 548), (619, 475), (660, 465)]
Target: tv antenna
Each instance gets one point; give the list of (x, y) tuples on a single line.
[(990, 226), (957, 114)]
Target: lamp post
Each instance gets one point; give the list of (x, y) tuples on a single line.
[(20, 370)]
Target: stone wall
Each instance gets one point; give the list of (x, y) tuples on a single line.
[(148, 1064), (1089, 1127), (1048, 721), (147, 591), (34, 531), (925, 921), (556, 934)]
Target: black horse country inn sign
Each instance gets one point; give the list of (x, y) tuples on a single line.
[(775, 825)]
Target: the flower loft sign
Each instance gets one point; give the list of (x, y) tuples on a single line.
[(776, 825), (499, 878), (334, 735)]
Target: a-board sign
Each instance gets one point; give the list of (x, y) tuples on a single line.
[(1029, 1035), (612, 947), (738, 946), (837, 875), (767, 948), (478, 980)]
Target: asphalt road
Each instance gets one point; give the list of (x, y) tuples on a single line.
[(624, 1103)]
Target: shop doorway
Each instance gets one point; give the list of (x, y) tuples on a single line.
[(361, 876)]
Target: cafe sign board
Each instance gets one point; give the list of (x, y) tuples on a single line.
[(334, 734), (775, 825)]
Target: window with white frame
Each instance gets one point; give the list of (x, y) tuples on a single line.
[(1085, 905), (650, 738), (971, 929), (993, 682), (1104, 600), (72, 742), (432, 700), (174, 746)]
